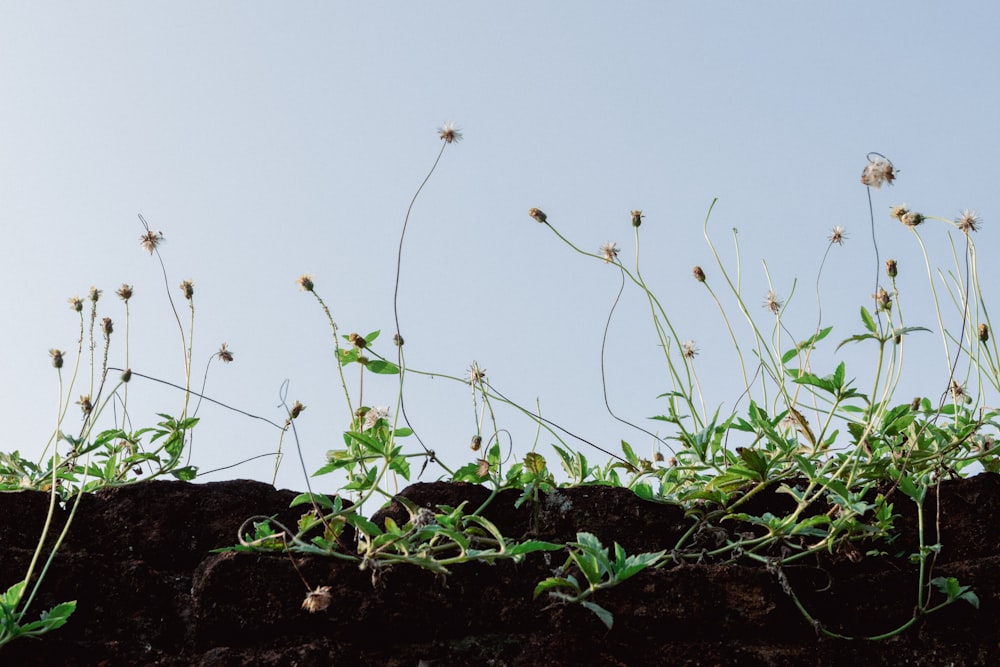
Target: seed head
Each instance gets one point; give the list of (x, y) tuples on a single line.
[(969, 221), (699, 275), (124, 292), (150, 240), (224, 354), (76, 303), (772, 302), (318, 600), (984, 332), (85, 405), (637, 217), (187, 287), (397, 340), (94, 294), (305, 282), (297, 409), (126, 375), (958, 392), (538, 214), (609, 251), (890, 268), (689, 349), (837, 235), (476, 374), (882, 299), (658, 457), (450, 133), (357, 341), (107, 326), (878, 171), (899, 211), (911, 219), (477, 443), (57, 357)]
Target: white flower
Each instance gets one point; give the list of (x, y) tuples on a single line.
[(374, 414), (689, 349), (609, 251), (450, 132), (837, 235), (878, 171)]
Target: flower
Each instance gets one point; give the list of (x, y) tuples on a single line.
[(699, 275), (637, 217), (94, 294), (297, 409), (772, 302), (187, 287), (890, 268), (537, 214), (911, 219), (373, 415), (76, 303), (476, 374), (878, 171), (837, 235), (609, 251), (57, 357), (969, 221), (224, 354), (899, 211), (689, 349), (305, 282), (450, 133), (150, 240), (318, 600), (882, 299), (124, 292)]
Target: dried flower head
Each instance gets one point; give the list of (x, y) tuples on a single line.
[(658, 457), (837, 235), (318, 600), (305, 282), (899, 211), (187, 287), (124, 292), (476, 374), (150, 240), (76, 303), (57, 357), (699, 275), (450, 133), (482, 468), (224, 354), (890, 268), (912, 219), (107, 326), (882, 299), (477, 443), (609, 251), (915, 403), (637, 217), (85, 405), (772, 302), (94, 294), (969, 221), (397, 340), (357, 340), (689, 349), (672, 462), (373, 415), (878, 171), (423, 518), (297, 409), (126, 375), (984, 332), (538, 214), (958, 392)]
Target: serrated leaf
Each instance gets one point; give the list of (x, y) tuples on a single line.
[(868, 320)]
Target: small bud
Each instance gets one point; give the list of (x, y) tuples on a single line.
[(915, 404), (984, 332), (305, 282), (127, 375), (297, 409), (94, 294), (672, 462), (187, 287), (890, 268), (357, 341), (363, 360), (57, 357), (76, 303), (699, 275), (637, 217), (482, 468), (477, 442), (658, 457), (397, 340), (537, 214)]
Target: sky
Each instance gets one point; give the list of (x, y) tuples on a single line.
[(270, 140)]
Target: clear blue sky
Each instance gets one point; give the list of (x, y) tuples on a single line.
[(269, 140)]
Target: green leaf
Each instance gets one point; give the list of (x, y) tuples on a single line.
[(606, 617), (630, 455), (382, 367), (555, 582), (310, 498), (185, 474), (531, 546), (868, 320)]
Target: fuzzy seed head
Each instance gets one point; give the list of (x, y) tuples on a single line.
[(151, 240), (224, 354), (890, 268), (94, 294), (297, 409), (969, 221), (609, 251), (882, 299), (899, 211), (423, 518), (85, 405), (187, 287), (124, 292), (57, 357), (76, 303), (912, 219), (699, 275), (837, 235), (305, 282), (373, 415), (357, 341), (538, 214), (772, 302), (878, 171), (450, 133), (318, 600), (476, 374), (984, 332), (637, 217), (689, 349), (107, 326)]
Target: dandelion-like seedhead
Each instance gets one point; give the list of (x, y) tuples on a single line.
[(877, 172), (224, 354), (297, 409), (94, 294), (476, 374), (423, 518), (318, 599), (76, 303), (772, 302), (305, 282), (537, 214), (959, 393), (968, 221), (637, 217), (837, 235), (151, 240), (187, 287), (124, 292), (609, 251), (689, 349), (899, 211), (450, 133)]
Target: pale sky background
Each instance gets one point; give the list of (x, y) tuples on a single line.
[(267, 140)]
